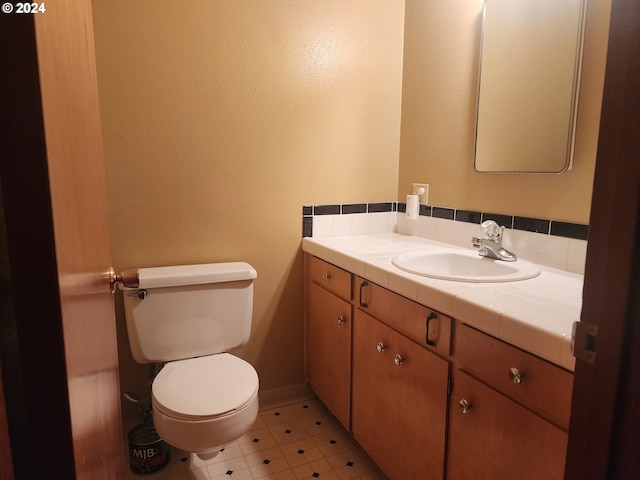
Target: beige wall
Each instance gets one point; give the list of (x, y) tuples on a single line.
[(438, 118), (221, 119)]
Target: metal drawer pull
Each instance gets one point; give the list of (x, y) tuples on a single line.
[(516, 375), (326, 276), (398, 360), (432, 316), (381, 347), (341, 320), (465, 405), (362, 285)]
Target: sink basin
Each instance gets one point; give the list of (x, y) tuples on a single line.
[(463, 266)]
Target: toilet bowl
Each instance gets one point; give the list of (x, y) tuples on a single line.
[(202, 404)]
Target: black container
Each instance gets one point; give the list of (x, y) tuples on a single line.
[(148, 453)]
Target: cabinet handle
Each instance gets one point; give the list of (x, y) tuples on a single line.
[(398, 359), (465, 405), (516, 375), (381, 347), (432, 316), (326, 276), (341, 320), (362, 285)]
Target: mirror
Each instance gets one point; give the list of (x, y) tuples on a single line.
[(530, 60)]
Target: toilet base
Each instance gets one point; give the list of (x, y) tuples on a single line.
[(209, 455), (205, 437)]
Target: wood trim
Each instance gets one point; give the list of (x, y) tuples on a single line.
[(598, 420)]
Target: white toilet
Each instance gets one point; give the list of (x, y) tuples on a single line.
[(188, 316)]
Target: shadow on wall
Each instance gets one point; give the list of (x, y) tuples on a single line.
[(133, 375), (281, 328)]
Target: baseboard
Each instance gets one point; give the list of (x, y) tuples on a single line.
[(277, 397)]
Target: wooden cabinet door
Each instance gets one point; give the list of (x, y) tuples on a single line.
[(498, 439), (328, 350), (399, 411)]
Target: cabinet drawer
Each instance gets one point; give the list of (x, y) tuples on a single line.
[(414, 320), (543, 387), (330, 277)]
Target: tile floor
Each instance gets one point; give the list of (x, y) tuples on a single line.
[(292, 442)]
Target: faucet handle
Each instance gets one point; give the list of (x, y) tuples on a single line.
[(491, 229)]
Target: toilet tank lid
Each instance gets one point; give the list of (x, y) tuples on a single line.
[(204, 273)]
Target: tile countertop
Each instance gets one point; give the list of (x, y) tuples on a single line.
[(536, 315)]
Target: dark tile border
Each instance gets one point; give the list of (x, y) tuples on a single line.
[(570, 230), (382, 207), (442, 212), (468, 216), (503, 220), (536, 225), (354, 208), (307, 226), (326, 209)]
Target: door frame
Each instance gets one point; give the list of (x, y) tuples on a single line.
[(604, 438)]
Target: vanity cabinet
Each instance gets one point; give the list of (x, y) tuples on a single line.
[(428, 397), (328, 336), (509, 412)]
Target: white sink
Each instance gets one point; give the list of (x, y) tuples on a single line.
[(463, 266)]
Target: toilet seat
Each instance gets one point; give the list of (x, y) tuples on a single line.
[(204, 388)]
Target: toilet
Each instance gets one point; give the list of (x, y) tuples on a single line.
[(189, 316)]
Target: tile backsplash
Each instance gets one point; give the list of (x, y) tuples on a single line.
[(560, 245)]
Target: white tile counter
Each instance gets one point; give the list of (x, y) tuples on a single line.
[(536, 314)]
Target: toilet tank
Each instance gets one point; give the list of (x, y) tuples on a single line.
[(189, 311)]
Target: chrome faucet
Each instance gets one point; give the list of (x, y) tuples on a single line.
[(490, 244)]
